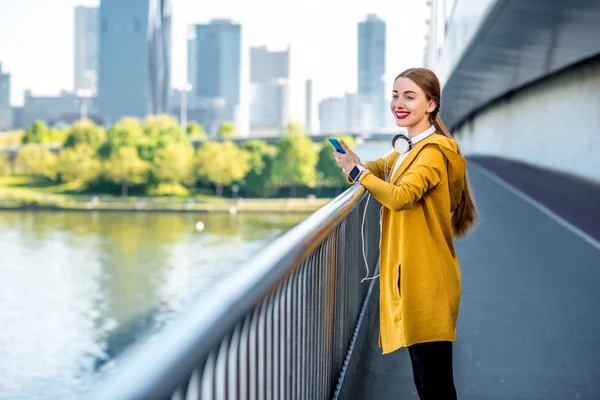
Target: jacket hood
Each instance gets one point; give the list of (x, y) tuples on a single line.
[(456, 164)]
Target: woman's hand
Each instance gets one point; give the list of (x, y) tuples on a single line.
[(346, 161)]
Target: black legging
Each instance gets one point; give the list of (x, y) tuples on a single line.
[(432, 370)]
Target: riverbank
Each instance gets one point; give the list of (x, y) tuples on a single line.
[(246, 206), (20, 197)]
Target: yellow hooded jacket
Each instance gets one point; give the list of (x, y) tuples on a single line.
[(420, 281)]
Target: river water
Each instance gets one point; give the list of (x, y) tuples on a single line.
[(77, 288)]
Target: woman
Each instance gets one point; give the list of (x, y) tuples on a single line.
[(427, 201)]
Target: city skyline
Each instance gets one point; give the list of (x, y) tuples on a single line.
[(326, 56)]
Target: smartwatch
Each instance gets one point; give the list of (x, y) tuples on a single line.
[(356, 172)]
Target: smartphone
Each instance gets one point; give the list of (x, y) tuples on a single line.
[(337, 145)]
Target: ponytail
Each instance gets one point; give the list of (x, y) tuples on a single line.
[(465, 214)]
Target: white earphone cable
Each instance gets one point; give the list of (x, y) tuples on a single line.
[(362, 234), (385, 177), (362, 226)]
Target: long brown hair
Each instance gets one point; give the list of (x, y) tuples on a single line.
[(465, 214)]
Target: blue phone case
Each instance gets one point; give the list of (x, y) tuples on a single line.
[(337, 145)]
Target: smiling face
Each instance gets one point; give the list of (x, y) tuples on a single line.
[(410, 106)]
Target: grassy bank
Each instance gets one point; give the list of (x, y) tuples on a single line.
[(24, 193)]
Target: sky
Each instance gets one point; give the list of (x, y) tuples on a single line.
[(36, 40)]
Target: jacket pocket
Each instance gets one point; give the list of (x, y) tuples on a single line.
[(398, 283)]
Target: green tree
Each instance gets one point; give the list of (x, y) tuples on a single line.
[(37, 133), (194, 129), (261, 157), (159, 132), (78, 164), (85, 133), (12, 138), (328, 170), (226, 130), (161, 122), (56, 135), (164, 129), (295, 162), (126, 168), (36, 161), (5, 165), (295, 128), (174, 163), (221, 163), (125, 133)]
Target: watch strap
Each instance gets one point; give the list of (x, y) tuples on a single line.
[(361, 170)]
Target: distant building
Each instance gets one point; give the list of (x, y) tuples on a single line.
[(340, 114), (208, 112), (371, 71), (6, 112), (352, 119), (309, 105), (269, 87), (134, 58), (53, 109), (85, 55), (214, 69), (17, 118), (332, 115)]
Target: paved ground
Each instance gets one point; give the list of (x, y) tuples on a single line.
[(529, 326)]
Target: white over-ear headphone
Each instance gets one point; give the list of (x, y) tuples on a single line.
[(403, 144)]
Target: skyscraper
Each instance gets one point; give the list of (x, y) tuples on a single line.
[(269, 85), (214, 65), (159, 62), (86, 49), (5, 108), (371, 71), (134, 58), (309, 105), (332, 115)]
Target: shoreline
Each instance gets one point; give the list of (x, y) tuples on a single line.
[(160, 210), (18, 199), (294, 206)]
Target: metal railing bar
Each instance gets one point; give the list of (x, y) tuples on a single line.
[(158, 367)]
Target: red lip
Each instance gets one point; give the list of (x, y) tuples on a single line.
[(401, 114)]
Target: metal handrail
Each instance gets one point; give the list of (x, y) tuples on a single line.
[(279, 328)]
